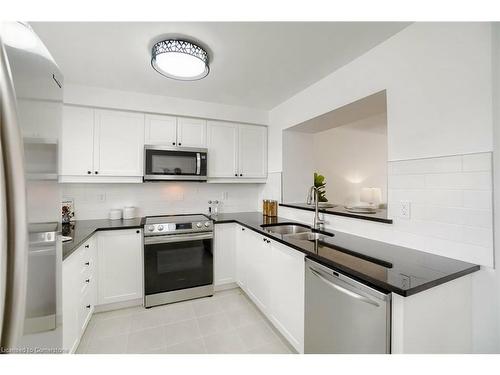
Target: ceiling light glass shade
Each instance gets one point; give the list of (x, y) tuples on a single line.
[(179, 59)]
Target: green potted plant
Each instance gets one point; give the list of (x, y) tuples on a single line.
[(319, 184)]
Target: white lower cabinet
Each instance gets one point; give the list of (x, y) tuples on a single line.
[(225, 254), (258, 270), (79, 292), (241, 253), (272, 275), (287, 293), (120, 265), (107, 268)]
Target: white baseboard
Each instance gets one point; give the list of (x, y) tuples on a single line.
[(118, 305)]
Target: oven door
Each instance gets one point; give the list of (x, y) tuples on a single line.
[(177, 262), (174, 163)]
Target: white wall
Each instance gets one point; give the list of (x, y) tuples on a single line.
[(93, 201), (134, 101), (352, 156), (438, 82), (298, 165), (438, 78)]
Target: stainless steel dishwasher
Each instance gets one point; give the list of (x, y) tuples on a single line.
[(343, 315)]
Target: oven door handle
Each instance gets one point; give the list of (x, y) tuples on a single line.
[(176, 238), (198, 163)]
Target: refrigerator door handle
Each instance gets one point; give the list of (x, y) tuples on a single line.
[(14, 301)]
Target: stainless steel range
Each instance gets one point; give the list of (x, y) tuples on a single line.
[(178, 260)]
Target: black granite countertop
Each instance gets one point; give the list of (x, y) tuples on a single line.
[(386, 267), (81, 230), (380, 216)]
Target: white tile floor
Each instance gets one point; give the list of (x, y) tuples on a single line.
[(225, 323)]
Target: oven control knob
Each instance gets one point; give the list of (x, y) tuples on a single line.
[(151, 228), (207, 224), (160, 227), (198, 225)]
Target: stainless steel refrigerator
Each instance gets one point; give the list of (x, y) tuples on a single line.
[(30, 241)]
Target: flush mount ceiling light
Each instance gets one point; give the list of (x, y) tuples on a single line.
[(180, 59)]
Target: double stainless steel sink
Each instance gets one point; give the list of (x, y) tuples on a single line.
[(293, 231)]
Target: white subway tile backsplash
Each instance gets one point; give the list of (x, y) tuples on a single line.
[(469, 181), (476, 162), (415, 196), (451, 201), (478, 218), (406, 182), (425, 166), (477, 181), (477, 236), (159, 198), (449, 198), (478, 199)]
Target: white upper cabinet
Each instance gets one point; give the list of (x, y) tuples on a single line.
[(118, 143), (252, 154), (77, 141), (191, 132), (101, 145), (236, 152), (222, 142), (175, 131), (107, 146), (161, 130)]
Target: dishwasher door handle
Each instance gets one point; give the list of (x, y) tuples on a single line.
[(343, 290)]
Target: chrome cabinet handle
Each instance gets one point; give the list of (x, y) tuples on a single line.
[(343, 290), (177, 238)]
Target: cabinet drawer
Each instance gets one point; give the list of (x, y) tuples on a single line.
[(85, 309)]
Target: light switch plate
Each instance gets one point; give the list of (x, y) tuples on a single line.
[(404, 209)]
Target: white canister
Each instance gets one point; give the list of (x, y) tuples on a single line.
[(115, 214), (128, 212)]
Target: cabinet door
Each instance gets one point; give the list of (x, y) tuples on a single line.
[(119, 143), (241, 260), (225, 254), (71, 294), (191, 132), (287, 293), (252, 151), (77, 141), (161, 130), (120, 265), (258, 270), (222, 142)]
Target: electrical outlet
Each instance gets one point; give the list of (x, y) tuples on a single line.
[(225, 195), (404, 209)]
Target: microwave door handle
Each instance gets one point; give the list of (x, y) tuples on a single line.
[(198, 163)]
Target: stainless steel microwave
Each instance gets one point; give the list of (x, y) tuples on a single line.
[(163, 163)]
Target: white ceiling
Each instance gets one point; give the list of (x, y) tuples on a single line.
[(257, 65), (369, 106)]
